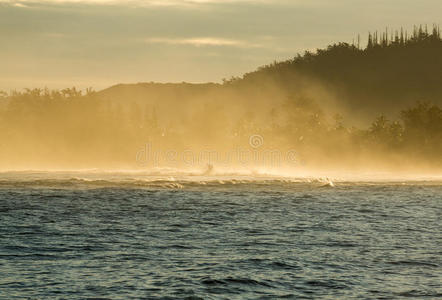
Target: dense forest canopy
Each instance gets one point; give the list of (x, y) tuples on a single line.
[(395, 70), (312, 104)]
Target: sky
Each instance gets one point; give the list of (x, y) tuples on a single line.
[(99, 43)]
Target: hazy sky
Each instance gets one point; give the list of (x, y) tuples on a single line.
[(98, 43)]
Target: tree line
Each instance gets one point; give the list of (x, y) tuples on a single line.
[(68, 125)]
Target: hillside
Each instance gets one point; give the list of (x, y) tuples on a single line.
[(392, 72)]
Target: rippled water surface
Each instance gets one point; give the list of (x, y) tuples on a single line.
[(219, 239)]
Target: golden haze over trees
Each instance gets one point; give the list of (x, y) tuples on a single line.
[(313, 104)]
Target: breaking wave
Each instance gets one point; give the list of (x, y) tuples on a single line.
[(172, 179)]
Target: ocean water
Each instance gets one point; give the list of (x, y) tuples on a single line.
[(76, 236)]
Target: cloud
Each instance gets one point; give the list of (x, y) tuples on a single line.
[(202, 41), (54, 34), (18, 4)]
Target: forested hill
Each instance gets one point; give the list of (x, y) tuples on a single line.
[(392, 71)]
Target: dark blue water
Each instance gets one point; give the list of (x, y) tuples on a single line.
[(218, 240)]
